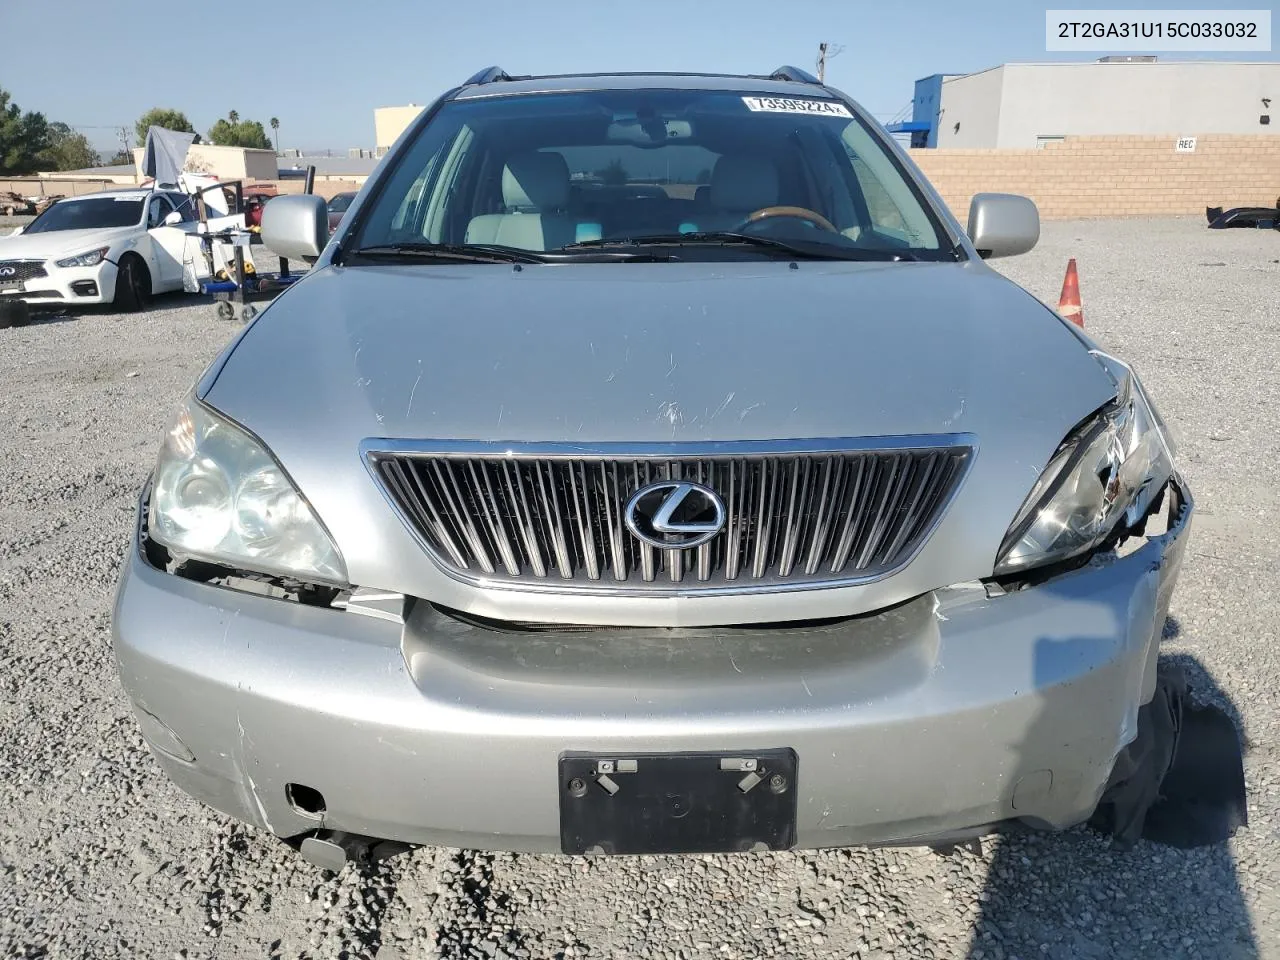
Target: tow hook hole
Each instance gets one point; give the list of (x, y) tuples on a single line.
[(305, 800)]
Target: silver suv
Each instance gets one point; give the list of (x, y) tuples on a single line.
[(651, 463)]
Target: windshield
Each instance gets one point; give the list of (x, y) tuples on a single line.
[(91, 213), (573, 172), (340, 203)]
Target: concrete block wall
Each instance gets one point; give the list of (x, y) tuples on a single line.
[(1109, 176), (56, 187)]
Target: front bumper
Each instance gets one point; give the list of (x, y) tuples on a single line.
[(950, 712), (68, 286)]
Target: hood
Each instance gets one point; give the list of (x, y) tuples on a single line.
[(59, 243), (658, 353), (661, 352)]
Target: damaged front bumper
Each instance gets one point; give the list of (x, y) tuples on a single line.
[(944, 715)]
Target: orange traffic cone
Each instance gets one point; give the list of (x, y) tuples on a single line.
[(1069, 303)]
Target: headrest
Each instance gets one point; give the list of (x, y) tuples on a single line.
[(535, 181), (744, 183)]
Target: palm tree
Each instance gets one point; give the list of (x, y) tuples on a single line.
[(234, 116), (275, 131)]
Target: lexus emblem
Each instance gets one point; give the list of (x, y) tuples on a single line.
[(675, 514), (8, 271)]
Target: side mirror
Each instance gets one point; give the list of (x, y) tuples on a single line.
[(173, 219), (1003, 224), (296, 227)]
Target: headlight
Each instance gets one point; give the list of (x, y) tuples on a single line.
[(1107, 472), (220, 496), (90, 259)]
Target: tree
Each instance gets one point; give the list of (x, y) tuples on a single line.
[(24, 137), (615, 174), (234, 132), (164, 117), (68, 149), (275, 131)]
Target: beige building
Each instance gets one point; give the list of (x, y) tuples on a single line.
[(225, 163), (1025, 105), (390, 122)]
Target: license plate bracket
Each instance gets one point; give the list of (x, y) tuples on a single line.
[(677, 802)]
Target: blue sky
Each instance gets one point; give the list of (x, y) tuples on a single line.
[(324, 66)]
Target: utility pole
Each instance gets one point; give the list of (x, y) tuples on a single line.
[(123, 134)]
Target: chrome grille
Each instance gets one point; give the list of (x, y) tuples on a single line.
[(22, 270), (798, 512)]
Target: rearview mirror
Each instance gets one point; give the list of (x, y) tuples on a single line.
[(1003, 224), (296, 227)]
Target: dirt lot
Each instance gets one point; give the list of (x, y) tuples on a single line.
[(101, 857)]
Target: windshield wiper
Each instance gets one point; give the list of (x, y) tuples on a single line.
[(728, 238), (462, 252), (495, 253)]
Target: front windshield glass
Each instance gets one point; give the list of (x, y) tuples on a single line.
[(555, 172), (340, 203), (91, 213)]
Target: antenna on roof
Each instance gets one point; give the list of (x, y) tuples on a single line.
[(827, 51), (488, 75)]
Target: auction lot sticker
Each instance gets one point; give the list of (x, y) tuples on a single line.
[(825, 108), (1139, 31)]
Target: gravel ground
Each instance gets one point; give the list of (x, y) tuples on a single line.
[(101, 857)]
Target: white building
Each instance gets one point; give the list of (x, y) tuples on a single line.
[(1026, 104)]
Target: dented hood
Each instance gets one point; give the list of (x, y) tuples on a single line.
[(660, 352)]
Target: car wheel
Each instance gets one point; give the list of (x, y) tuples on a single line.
[(133, 285), (248, 313)]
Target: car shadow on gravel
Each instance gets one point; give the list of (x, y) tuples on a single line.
[(1080, 894), (47, 315)]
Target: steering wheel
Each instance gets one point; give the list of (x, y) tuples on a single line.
[(795, 213)]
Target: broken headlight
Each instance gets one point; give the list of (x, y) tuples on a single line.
[(219, 496), (1106, 474)]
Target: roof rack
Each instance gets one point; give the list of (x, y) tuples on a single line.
[(794, 74), (488, 75)]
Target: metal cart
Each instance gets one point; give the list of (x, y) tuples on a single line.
[(241, 289)]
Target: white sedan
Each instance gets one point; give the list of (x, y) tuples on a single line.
[(116, 247)]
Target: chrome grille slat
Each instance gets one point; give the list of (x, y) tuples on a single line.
[(821, 522), (492, 517), (611, 496), (862, 475), (426, 505), (818, 517), (890, 487), (461, 514), (520, 501)]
